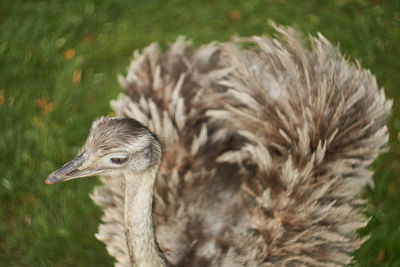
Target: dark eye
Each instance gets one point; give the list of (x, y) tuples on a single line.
[(119, 160)]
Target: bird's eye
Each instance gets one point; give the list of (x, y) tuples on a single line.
[(118, 160)]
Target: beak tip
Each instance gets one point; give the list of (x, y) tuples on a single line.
[(67, 172), (49, 181), (53, 179)]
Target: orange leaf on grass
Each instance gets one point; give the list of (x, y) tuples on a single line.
[(236, 15), (45, 107), (381, 256), (77, 77), (68, 54)]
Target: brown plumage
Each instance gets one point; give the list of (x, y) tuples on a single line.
[(265, 152)]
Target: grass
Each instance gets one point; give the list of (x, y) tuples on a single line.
[(58, 66)]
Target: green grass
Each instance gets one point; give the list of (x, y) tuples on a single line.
[(45, 116)]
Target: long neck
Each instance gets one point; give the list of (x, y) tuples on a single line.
[(139, 231)]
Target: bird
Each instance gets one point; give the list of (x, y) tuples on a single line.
[(251, 152)]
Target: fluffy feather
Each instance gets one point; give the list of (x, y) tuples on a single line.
[(266, 149)]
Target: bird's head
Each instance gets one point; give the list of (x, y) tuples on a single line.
[(114, 146)]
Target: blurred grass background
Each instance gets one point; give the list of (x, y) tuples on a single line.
[(58, 66)]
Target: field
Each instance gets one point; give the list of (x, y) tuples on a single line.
[(59, 62)]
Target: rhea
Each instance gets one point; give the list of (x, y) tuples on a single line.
[(266, 143), (124, 147)]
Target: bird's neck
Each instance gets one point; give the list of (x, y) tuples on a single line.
[(139, 231)]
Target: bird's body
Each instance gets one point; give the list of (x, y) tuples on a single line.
[(264, 153)]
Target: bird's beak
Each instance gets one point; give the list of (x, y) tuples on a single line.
[(71, 170)]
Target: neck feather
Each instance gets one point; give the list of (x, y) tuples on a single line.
[(139, 230)]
